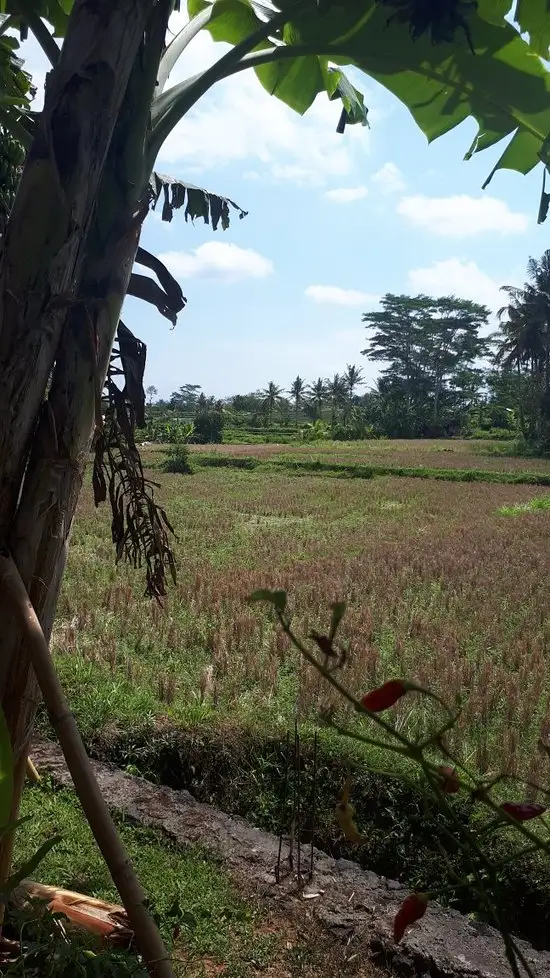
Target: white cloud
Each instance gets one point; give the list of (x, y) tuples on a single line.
[(345, 195), (459, 277), (334, 295), (389, 179), (218, 259), (238, 121), (462, 216)]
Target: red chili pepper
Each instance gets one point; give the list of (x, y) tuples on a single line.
[(522, 811), (449, 779), (412, 909), (385, 696)]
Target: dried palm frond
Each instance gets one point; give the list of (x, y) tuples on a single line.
[(140, 528)]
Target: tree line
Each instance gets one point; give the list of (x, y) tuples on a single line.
[(443, 373)]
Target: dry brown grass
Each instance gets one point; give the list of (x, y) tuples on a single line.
[(440, 589)]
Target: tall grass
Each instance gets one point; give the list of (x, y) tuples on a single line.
[(439, 589)]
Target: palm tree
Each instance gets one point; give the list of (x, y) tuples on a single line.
[(337, 391), (525, 340), (318, 394), (297, 391), (271, 397), (352, 378)]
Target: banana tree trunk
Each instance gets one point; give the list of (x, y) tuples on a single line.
[(43, 445), (40, 531), (43, 247)]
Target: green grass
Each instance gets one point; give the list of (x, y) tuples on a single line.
[(359, 471), (440, 590), (211, 927), (540, 503), (187, 888)]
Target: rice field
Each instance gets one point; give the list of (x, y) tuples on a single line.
[(421, 453), (443, 588)]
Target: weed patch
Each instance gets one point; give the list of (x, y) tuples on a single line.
[(537, 505)]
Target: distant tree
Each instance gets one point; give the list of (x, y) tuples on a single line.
[(337, 393), (152, 393), (297, 392), (208, 422), (431, 346), (249, 403), (352, 378), (318, 395), (271, 397), (524, 345), (186, 398)]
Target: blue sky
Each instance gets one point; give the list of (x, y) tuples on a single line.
[(333, 223)]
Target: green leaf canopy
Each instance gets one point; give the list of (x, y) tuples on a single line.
[(504, 86)]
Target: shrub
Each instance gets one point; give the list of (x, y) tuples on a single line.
[(178, 460), (178, 454), (208, 426)]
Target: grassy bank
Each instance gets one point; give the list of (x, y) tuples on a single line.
[(188, 890), (251, 773), (357, 470), (210, 924)]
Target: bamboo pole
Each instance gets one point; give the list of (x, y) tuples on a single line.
[(148, 939), (32, 773)]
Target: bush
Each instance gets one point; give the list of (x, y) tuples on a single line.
[(228, 461), (178, 454), (208, 426), (494, 434), (178, 459)]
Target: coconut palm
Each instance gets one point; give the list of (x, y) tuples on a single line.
[(297, 392), (353, 377), (318, 395), (271, 396), (337, 391), (525, 340)]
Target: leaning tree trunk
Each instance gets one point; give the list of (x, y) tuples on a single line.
[(41, 267), (60, 448)]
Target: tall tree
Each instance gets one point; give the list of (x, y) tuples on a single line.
[(318, 395), (427, 343), (353, 378), (297, 392), (451, 345), (186, 397), (271, 397), (337, 392), (524, 344)]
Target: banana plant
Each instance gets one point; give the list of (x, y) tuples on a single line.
[(69, 250)]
